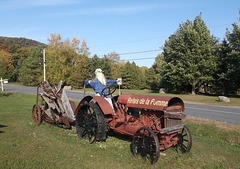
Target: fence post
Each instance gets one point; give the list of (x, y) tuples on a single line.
[(2, 84)]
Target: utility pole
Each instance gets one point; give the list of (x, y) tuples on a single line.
[(44, 64)]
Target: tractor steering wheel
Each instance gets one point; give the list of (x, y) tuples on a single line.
[(109, 90)]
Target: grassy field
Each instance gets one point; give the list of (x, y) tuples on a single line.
[(26, 145)]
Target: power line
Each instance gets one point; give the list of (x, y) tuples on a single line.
[(132, 53), (138, 59), (139, 40), (217, 26), (146, 51)]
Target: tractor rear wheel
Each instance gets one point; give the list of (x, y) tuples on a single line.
[(91, 123), (36, 115), (145, 143)]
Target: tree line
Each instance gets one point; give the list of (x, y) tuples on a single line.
[(192, 61)]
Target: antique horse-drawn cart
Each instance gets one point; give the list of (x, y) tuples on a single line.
[(155, 122)]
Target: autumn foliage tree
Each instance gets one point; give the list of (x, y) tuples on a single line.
[(6, 65), (66, 61), (80, 63), (57, 59), (114, 59)]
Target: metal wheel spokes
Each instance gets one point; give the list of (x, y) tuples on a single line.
[(145, 143), (92, 125), (184, 140), (88, 123), (36, 115), (81, 119)]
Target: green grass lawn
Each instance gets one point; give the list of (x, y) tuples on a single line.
[(26, 145)]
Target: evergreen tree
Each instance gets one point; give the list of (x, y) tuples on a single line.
[(228, 60), (126, 76), (31, 71), (151, 80), (132, 76), (234, 68), (153, 75), (189, 56), (19, 55), (141, 77), (102, 63), (94, 63)]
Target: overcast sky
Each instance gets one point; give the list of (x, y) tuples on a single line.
[(123, 26)]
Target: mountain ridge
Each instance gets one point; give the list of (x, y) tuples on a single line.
[(6, 42)]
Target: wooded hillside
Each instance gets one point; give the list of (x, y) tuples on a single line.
[(22, 42)]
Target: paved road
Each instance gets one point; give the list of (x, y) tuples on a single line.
[(33, 90), (219, 113)]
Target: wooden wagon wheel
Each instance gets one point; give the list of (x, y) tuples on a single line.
[(36, 115), (146, 144)]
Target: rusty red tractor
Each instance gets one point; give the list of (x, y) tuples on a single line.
[(154, 122)]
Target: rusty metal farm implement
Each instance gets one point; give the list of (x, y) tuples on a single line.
[(154, 122), (53, 106)]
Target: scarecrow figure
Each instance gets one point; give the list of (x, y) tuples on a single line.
[(100, 82)]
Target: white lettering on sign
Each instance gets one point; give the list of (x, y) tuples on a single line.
[(143, 101), (158, 103), (132, 100), (147, 102)]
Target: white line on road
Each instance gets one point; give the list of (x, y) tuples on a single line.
[(214, 110)]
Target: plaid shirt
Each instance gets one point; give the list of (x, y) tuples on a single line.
[(97, 85)]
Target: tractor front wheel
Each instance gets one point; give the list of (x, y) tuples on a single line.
[(184, 143), (36, 115), (146, 144)]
